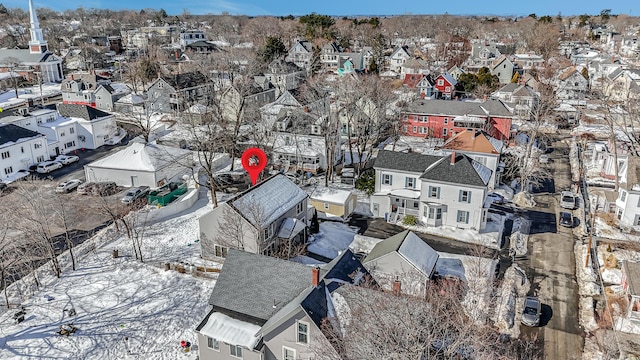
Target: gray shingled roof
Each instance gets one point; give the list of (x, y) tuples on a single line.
[(81, 111), (386, 246), (464, 171), (12, 133), (23, 56), (452, 107), (185, 80), (394, 160), (258, 286)]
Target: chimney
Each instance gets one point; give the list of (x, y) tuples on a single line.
[(453, 158), (315, 276), (397, 287), (71, 76)]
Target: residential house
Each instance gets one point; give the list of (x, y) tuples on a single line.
[(334, 59), (284, 76), (445, 86), (522, 97), (627, 203), (455, 72), (397, 59), (189, 37), (631, 286), (235, 105), (444, 119), (201, 47), (503, 68), (411, 80), (414, 66), (174, 93), (266, 216), (622, 85), (19, 149), (333, 202), (483, 53), (426, 87), (92, 90), (268, 308), (402, 256), (301, 54), (528, 61), (572, 85), (438, 190), (481, 147)]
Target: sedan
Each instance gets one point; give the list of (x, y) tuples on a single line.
[(531, 312), (566, 219), (68, 186), (48, 166), (66, 159)]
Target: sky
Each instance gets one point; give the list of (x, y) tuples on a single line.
[(350, 8)]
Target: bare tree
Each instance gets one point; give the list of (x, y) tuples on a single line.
[(62, 216)]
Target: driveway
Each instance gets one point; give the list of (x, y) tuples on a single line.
[(550, 265)]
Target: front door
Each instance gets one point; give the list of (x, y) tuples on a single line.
[(134, 181)]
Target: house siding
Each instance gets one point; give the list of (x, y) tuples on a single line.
[(335, 208), (16, 155), (286, 335), (387, 268), (209, 354), (449, 197)]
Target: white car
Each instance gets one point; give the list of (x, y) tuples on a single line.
[(68, 186), (568, 200), (66, 159), (48, 166)]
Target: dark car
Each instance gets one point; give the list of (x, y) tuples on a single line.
[(2, 186), (566, 219)]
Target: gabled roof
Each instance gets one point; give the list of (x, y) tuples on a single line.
[(474, 141), (185, 80), (280, 66), (570, 72), (411, 80), (12, 133), (22, 55), (499, 61), (490, 107), (448, 78), (411, 247), (81, 111), (306, 45), (464, 170), (255, 287), (412, 162), (267, 201)]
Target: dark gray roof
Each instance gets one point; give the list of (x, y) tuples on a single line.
[(413, 162), (257, 286), (280, 66), (185, 80), (464, 171), (81, 111), (12, 133), (23, 56), (452, 107), (386, 246)]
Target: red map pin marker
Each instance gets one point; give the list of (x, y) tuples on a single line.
[(253, 161)]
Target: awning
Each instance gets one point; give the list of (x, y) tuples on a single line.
[(290, 228), (406, 193), (231, 331)]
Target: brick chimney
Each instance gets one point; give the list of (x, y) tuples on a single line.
[(453, 158), (315, 276), (397, 287)]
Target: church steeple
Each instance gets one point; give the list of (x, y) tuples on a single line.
[(37, 45)]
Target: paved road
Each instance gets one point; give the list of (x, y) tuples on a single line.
[(550, 265)]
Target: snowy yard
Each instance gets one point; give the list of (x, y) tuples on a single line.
[(489, 237), (124, 308), (332, 238)]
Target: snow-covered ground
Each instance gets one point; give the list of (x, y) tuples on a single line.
[(332, 238), (124, 308), (489, 237)]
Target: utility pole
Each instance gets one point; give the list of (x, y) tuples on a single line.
[(38, 74)]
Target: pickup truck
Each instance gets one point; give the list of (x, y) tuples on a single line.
[(134, 194)]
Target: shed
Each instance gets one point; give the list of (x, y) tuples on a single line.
[(333, 202), (139, 164)]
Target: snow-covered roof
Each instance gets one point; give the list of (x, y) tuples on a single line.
[(275, 197), (141, 157), (132, 99), (406, 193), (290, 227), (231, 331), (332, 195), (419, 253)]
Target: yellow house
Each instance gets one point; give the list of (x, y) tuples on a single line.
[(333, 202)]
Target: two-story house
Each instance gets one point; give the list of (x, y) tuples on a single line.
[(259, 220), (503, 68), (301, 54), (444, 118), (481, 147), (268, 308), (438, 190), (175, 93), (188, 37), (445, 86), (397, 59), (284, 75), (522, 96), (92, 90), (571, 85), (19, 149), (623, 85)]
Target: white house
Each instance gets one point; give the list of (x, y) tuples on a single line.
[(398, 58), (258, 220), (19, 148), (141, 164), (438, 191), (301, 54), (571, 85)]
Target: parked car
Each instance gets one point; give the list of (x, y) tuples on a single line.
[(568, 200), (532, 311), (66, 159), (46, 167), (494, 198), (105, 188), (86, 188), (134, 194), (2, 186), (566, 219), (68, 186), (348, 176)]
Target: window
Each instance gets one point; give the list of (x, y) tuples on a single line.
[(406, 129), (303, 333), (309, 142), (482, 160), (40, 158), (434, 192), (636, 221), (415, 129), (446, 121), (235, 351), (440, 82), (22, 149), (410, 182), (387, 179), (444, 132), (326, 206), (423, 118), (8, 171), (299, 208), (62, 134), (423, 130), (268, 232), (69, 144), (72, 130), (447, 89), (431, 213), (287, 140), (623, 195), (5, 155), (463, 216), (213, 343), (220, 251), (288, 353), (464, 196), (439, 214)]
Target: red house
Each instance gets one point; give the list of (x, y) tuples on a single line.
[(445, 84), (445, 118)]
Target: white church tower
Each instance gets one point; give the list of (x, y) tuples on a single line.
[(37, 45)]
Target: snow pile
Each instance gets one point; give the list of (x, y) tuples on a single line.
[(524, 200), (587, 320), (574, 161), (591, 350), (332, 238), (489, 237), (504, 191), (586, 287), (513, 289), (520, 235), (363, 244)]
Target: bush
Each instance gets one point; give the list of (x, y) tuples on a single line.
[(367, 182), (410, 220)]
